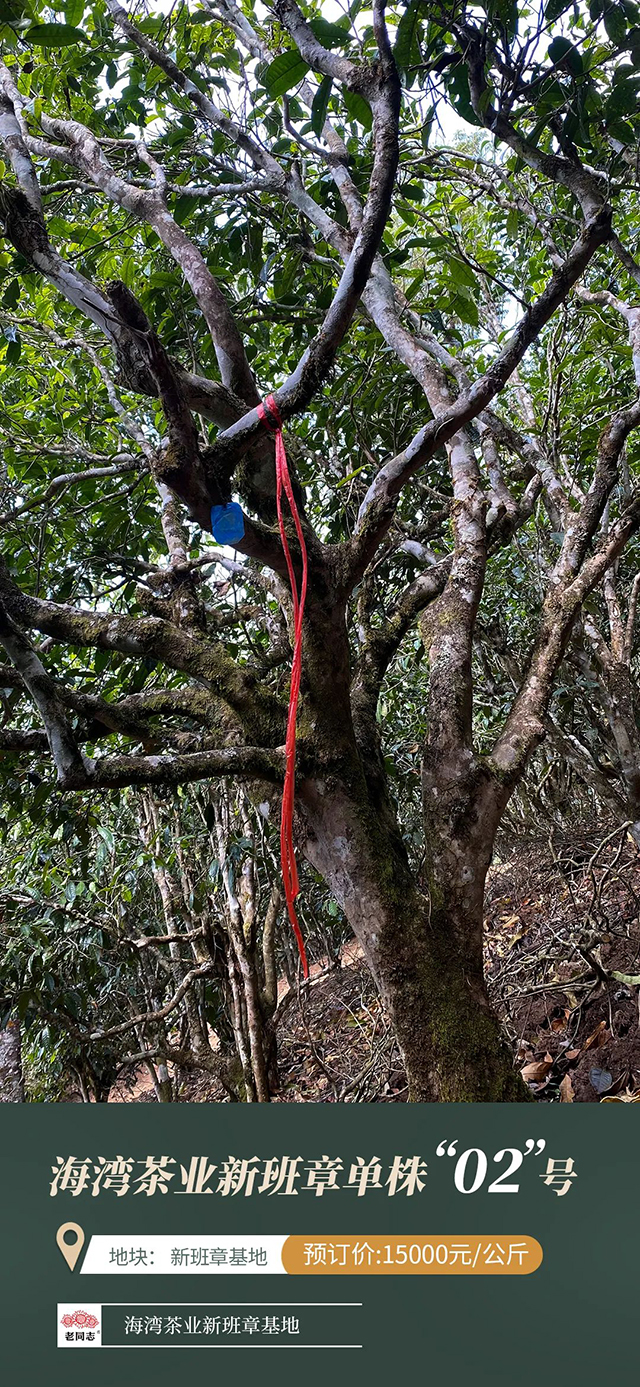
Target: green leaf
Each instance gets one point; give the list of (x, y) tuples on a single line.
[(12, 10), (462, 274), (406, 48), (107, 836), (425, 133), (554, 8), (328, 34), (466, 309), (358, 109), (183, 207), (320, 105), (615, 23), (14, 348), (416, 284), (286, 71), (458, 87), (74, 11), (564, 54), (11, 294), (507, 13), (54, 35), (406, 212), (622, 100), (622, 131)]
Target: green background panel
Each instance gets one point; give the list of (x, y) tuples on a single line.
[(571, 1322)]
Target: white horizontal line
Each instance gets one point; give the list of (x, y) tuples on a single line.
[(332, 1304), (283, 1346)]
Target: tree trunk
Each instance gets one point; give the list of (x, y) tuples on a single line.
[(425, 955), (621, 710), (434, 989), (11, 1081), (613, 671)]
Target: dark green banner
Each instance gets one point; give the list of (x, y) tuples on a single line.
[(323, 1241)]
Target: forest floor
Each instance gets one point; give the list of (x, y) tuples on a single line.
[(563, 919), (563, 945)]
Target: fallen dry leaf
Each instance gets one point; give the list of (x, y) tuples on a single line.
[(597, 1037), (566, 1090), (600, 1079), (515, 938), (536, 1072)]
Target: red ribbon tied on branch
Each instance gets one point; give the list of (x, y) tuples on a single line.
[(270, 416)]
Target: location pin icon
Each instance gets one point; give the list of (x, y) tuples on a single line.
[(70, 1250)]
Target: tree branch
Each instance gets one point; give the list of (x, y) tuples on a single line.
[(68, 760), (241, 762), (379, 504)]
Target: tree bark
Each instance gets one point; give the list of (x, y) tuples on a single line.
[(451, 1040), (11, 1080), (612, 667), (424, 950)]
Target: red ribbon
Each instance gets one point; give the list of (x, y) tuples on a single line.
[(273, 421)]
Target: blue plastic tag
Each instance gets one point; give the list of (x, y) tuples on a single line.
[(227, 523)]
